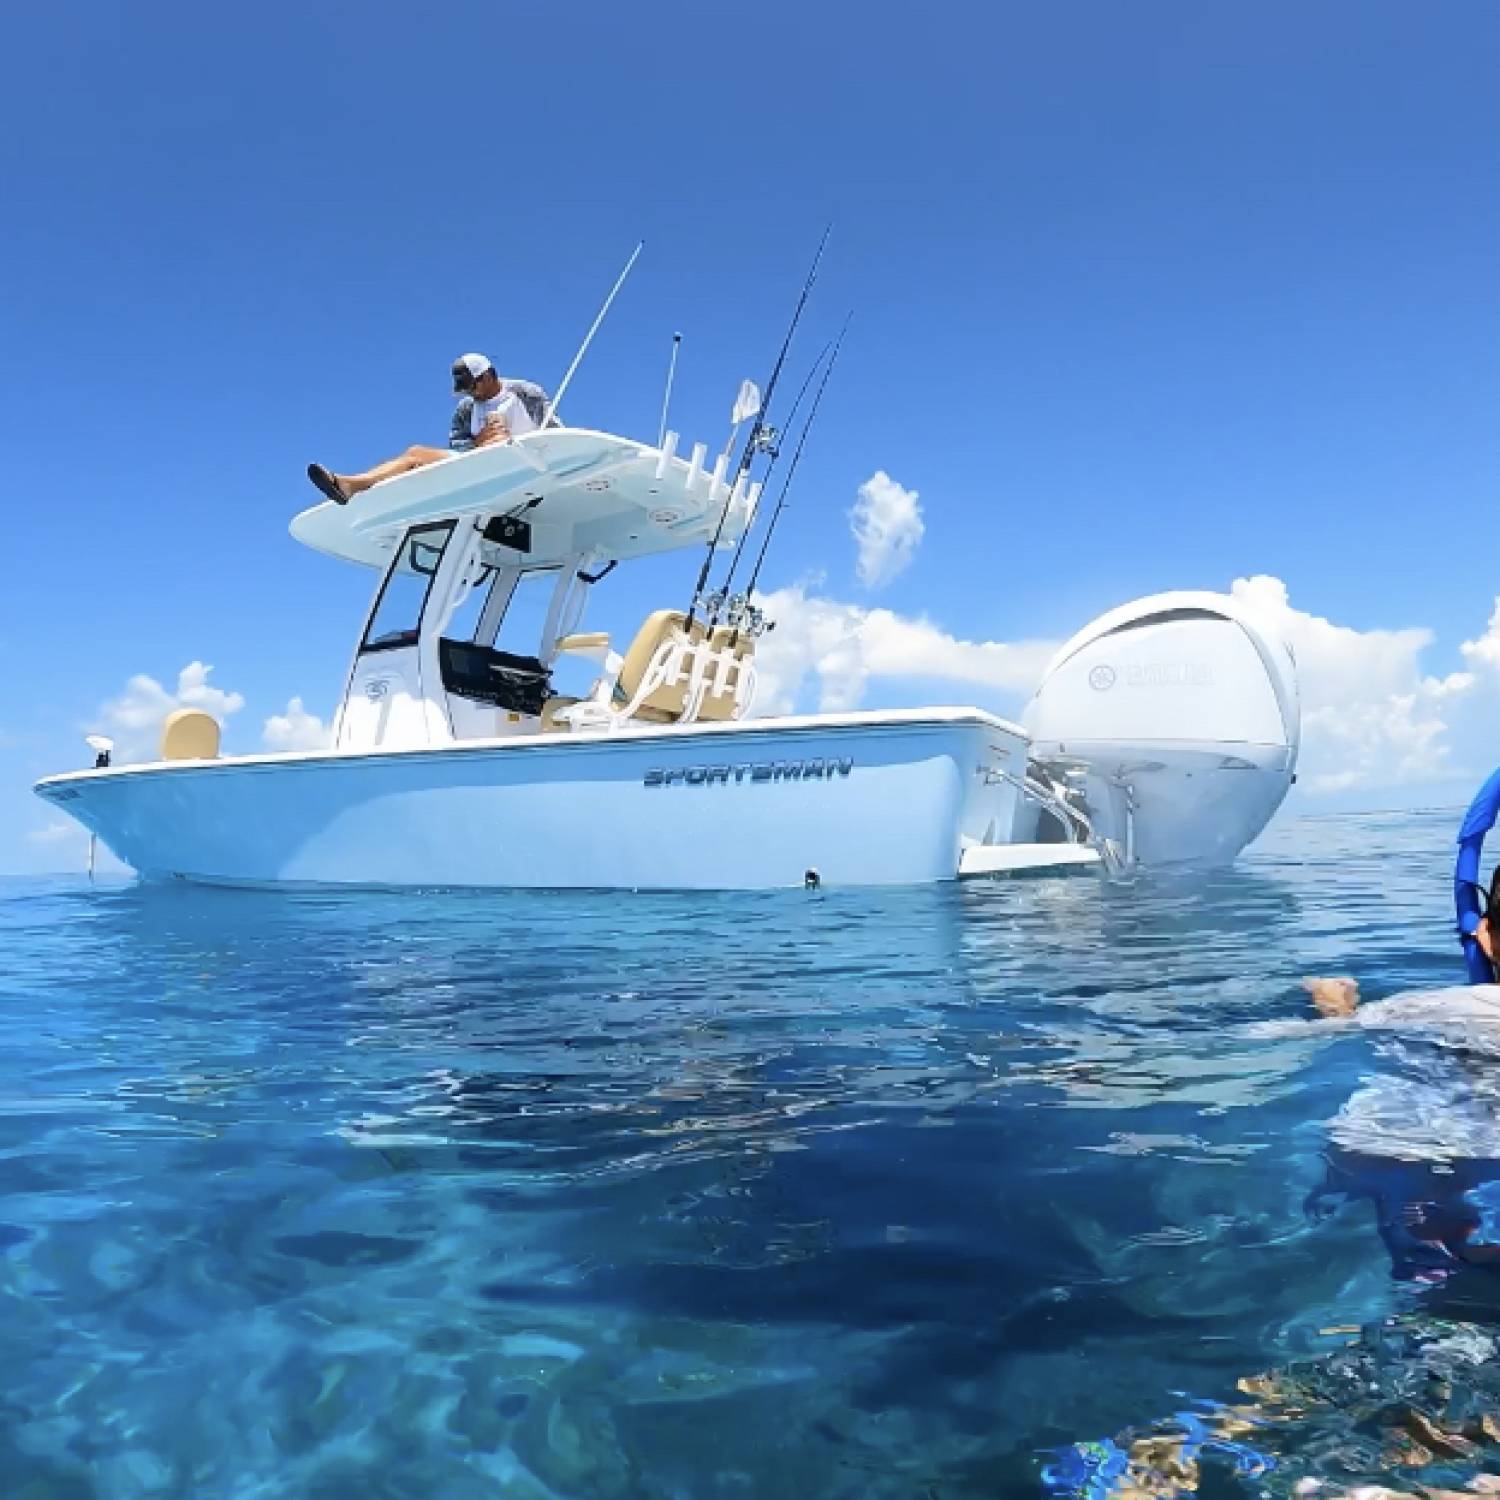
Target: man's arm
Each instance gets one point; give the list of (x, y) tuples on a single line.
[(460, 438), (496, 430), (497, 424)]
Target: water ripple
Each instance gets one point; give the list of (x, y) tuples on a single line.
[(849, 1194)]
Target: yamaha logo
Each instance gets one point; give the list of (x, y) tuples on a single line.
[(1156, 674), (1102, 679)]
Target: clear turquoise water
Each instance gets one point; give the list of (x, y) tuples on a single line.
[(844, 1194)]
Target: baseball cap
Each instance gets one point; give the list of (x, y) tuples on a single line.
[(467, 368)]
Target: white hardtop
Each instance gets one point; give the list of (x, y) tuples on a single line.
[(582, 493)]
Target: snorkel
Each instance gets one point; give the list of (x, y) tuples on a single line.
[(1471, 900)]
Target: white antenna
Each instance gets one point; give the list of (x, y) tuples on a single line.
[(666, 400), (588, 338)]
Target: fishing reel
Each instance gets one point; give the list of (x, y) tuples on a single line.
[(735, 611), (768, 440), (711, 605), (745, 617)]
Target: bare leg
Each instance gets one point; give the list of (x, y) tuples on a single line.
[(415, 457)]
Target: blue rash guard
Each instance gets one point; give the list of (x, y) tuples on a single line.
[(1478, 821)]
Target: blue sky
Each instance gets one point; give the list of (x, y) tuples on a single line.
[(1146, 296)]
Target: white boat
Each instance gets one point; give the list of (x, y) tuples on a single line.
[(455, 762)]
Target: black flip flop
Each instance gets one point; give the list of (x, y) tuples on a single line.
[(327, 483)]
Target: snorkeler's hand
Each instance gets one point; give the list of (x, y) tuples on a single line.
[(1333, 997)]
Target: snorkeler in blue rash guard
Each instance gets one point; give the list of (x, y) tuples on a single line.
[(1478, 955), (1435, 1217), (1478, 925), (1439, 1219), (1477, 909)]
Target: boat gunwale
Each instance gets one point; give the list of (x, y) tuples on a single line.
[(876, 720)]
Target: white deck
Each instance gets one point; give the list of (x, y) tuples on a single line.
[(792, 724), (1027, 859)]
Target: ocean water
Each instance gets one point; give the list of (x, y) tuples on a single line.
[(969, 1191)]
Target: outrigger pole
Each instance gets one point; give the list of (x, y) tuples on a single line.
[(588, 338), (666, 400), (753, 442), (791, 473)]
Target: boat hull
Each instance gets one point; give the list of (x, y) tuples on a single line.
[(861, 800)]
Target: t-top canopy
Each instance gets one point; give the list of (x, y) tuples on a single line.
[(578, 492)]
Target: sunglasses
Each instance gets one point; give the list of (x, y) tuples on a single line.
[(464, 380)]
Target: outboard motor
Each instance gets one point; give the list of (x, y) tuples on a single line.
[(1180, 715)]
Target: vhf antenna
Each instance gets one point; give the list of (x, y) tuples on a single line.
[(666, 400), (588, 338)]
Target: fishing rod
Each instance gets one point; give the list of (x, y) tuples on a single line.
[(753, 442), (791, 473), (721, 593), (588, 338)]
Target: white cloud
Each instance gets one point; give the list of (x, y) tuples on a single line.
[(843, 646), (887, 525), (59, 831), (62, 846), (1370, 716), (1484, 653), (134, 719), (296, 729)]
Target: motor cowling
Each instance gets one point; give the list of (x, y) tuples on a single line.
[(1181, 713)]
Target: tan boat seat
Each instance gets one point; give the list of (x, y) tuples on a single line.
[(723, 703), (667, 701), (551, 724), (190, 734)]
